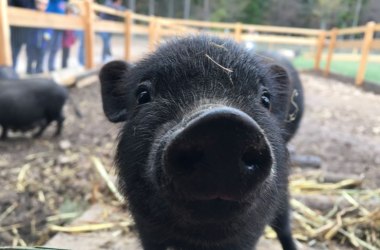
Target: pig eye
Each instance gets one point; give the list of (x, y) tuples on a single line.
[(265, 99), (143, 96)]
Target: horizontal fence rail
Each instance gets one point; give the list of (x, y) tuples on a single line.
[(348, 44), (324, 43), (30, 18), (351, 31), (283, 30)]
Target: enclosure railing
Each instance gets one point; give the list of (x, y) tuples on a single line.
[(360, 39), (158, 28)]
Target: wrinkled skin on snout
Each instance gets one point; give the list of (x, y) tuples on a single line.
[(202, 155)]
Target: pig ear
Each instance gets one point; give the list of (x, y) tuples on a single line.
[(280, 86), (113, 89)]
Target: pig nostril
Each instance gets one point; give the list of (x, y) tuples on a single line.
[(251, 159)]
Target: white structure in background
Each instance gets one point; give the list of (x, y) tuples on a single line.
[(250, 45)]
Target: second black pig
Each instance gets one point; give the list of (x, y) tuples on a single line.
[(29, 103), (296, 105)]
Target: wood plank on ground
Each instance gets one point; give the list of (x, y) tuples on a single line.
[(69, 77)]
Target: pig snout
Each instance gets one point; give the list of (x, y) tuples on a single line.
[(219, 153)]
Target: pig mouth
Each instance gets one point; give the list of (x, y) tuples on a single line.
[(213, 197), (210, 210)]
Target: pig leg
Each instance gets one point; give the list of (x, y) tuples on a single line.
[(147, 242), (4, 133), (281, 225), (148, 245), (59, 125), (43, 126)]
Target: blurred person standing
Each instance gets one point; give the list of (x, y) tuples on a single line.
[(56, 7), (69, 38), (106, 36), (19, 35), (37, 42), (80, 37)]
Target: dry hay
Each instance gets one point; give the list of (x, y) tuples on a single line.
[(353, 216)]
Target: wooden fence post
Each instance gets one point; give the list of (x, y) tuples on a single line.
[(128, 34), (366, 48), (89, 34), (333, 36), (5, 41), (158, 30), (319, 51), (238, 32), (152, 33)]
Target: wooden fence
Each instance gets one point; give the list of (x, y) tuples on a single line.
[(158, 28), (365, 43)]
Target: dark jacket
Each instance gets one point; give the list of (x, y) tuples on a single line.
[(109, 17), (28, 4)]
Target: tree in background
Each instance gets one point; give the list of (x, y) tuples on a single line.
[(339, 13), (328, 12), (288, 13), (370, 12), (254, 11), (297, 13), (226, 11)]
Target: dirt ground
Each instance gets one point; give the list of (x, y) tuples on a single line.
[(342, 126), (48, 176)]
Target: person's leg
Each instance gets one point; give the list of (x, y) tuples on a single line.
[(103, 35), (80, 38), (55, 45), (17, 40), (108, 44), (31, 58), (40, 56), (65, 57), (31, 51)]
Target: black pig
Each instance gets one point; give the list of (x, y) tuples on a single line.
[(296, 104), (202, 156), (29, 103)]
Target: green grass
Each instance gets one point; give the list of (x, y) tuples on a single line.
[(302, 63), (343, 68)]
